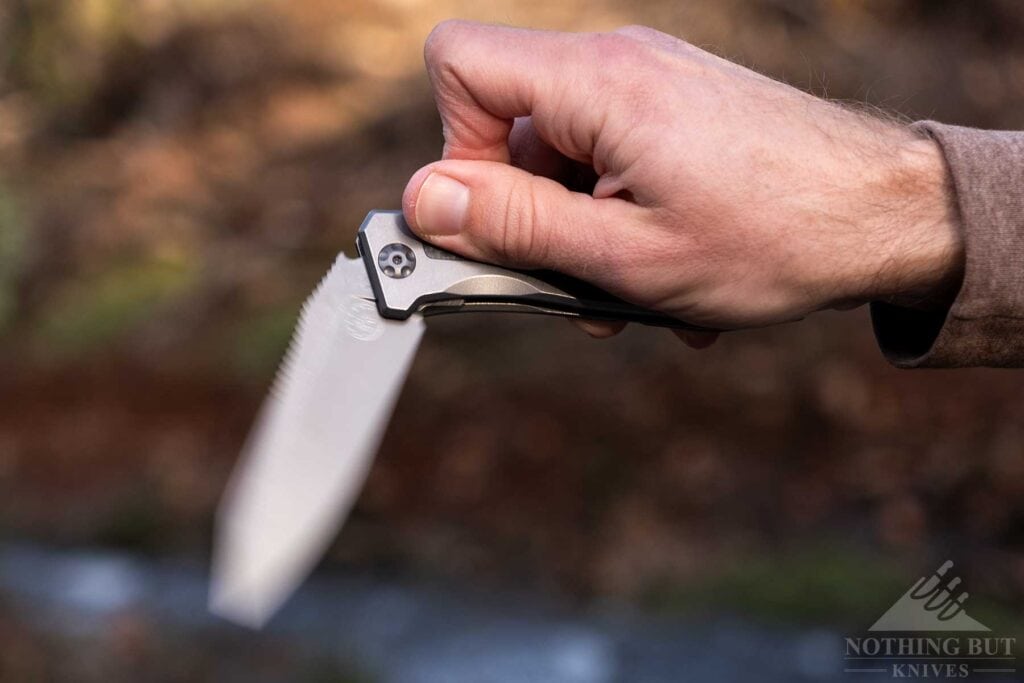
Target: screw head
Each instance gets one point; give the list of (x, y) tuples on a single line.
[(396, 260)]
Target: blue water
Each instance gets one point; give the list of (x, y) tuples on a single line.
[(407, 632)]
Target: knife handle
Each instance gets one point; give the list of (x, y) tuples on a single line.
[(410, 276)]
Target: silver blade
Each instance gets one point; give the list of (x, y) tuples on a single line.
[(312, 447)]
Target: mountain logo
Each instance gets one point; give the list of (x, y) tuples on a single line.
[(930, 605)]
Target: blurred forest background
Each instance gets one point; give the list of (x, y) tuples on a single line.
[(176, 175)]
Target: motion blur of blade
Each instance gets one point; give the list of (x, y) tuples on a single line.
[(312, 447)]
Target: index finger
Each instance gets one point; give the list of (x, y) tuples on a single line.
[(485, 76)]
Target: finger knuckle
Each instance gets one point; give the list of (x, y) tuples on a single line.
[(438, 47), (635, 31), (624, 67), (653, 37), (614, 47), (523, 238)]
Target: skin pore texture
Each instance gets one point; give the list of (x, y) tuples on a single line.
[(722, 197)]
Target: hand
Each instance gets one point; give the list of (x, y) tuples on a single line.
[(723, 197)]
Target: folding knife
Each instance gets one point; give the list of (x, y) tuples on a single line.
[(311, 448)]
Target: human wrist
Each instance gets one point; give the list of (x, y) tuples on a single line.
[(933, 259), (916, 246)]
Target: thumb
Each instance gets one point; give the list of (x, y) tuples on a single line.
[(494, 212)]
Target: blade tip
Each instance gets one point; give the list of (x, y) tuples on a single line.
[(238, 608)]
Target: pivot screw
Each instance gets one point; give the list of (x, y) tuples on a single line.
[(396, 260)]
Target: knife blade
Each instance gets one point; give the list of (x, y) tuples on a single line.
[(309, 453), (311, 447)]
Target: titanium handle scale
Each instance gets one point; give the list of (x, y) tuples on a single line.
[(409, 276)]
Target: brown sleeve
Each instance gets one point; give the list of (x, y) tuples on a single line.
[(985, 323)]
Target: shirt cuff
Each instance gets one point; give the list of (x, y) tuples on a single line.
[(985, 323)]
